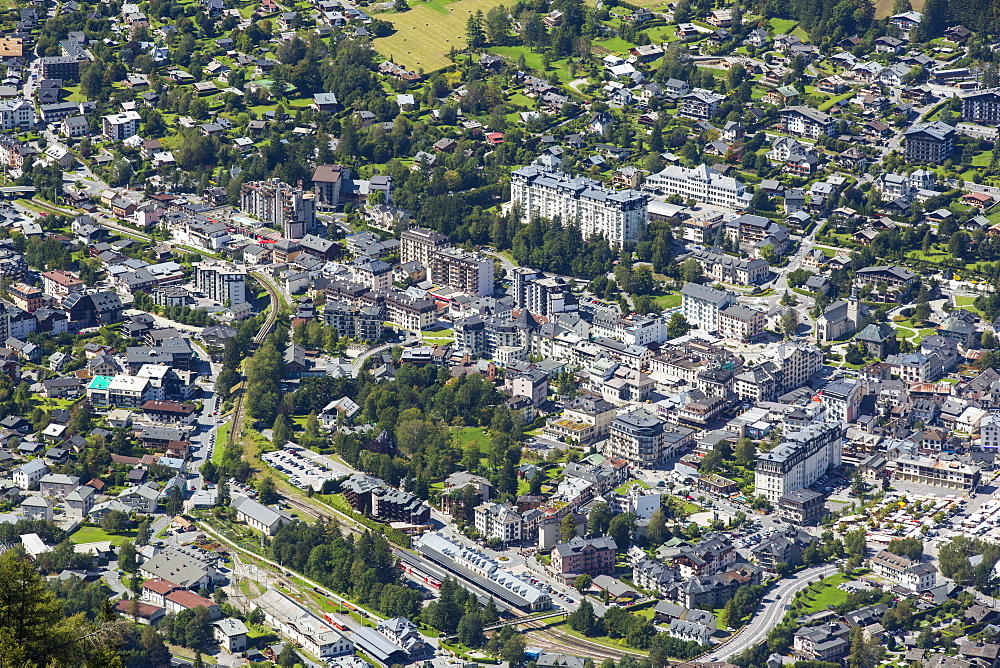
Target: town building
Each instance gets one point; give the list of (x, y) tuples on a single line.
[(418, 244), (701, 305), (802, 506), (291, 209), (222, 283), (702, 184), (798, 461), (119, 127), (498, 521), (914, 575), (470, 273), (728, 269), (938, 473), (617, 215), (584, 556), (929, 142), (637, 437)]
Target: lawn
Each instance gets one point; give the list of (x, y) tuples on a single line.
[(614, 45), (782, 26), (827, 594), (426, 32), (966, 302), (667, 301), (221, 439), (95, 535), (467, 435), (533, 60)]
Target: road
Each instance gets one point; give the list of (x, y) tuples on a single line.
[(771, 613)]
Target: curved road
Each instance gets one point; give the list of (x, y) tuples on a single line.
[(767, 618)]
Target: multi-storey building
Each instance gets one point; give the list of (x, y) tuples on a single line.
[(728, 269), (541, 294), (826, 642), (713, 554), (929, 142), (938, 473), (290, 208), (699, 104), (802, 506), (327, 182), (470, 273), (584, 556), (794, 363), (798, 461), (59, 283), (842, 399), (418, 244), (989, 432), (913, 575), (367, 494), (702, 184), (701, 305), (376, 274), (499, 521), (26, 297), (16, 114), (119, 127), (352, 321), (222, 283), (753, 232), (632, 330), (617, 215), (13, 152), (982, 107), (741, 322), (410, 313), (805, 121), (585, 419), (58, 67), (637, 437)]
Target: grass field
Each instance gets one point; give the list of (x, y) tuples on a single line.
[(95, 535), (883, 8), (426, 32), (782, 26), (818, 598), (966, 302), (667, 301)]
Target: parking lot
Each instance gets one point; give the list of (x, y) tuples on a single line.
[(302, 471)]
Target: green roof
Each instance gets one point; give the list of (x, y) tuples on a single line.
[(100, 382)]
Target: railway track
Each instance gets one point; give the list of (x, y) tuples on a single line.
[(265, 329)]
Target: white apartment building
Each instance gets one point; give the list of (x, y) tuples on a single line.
[(989, 431), (913, 575), (470, 273), (799, 460), (796, 363), (729, 269), (221, 283), (702, 184), (119, 127), (700, 305), (541, 294), (16, 114), (617, 215), (633, 330), (842, 399), (498, 521)]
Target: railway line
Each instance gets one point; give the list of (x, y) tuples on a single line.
[(418, 568), (265, 329)]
